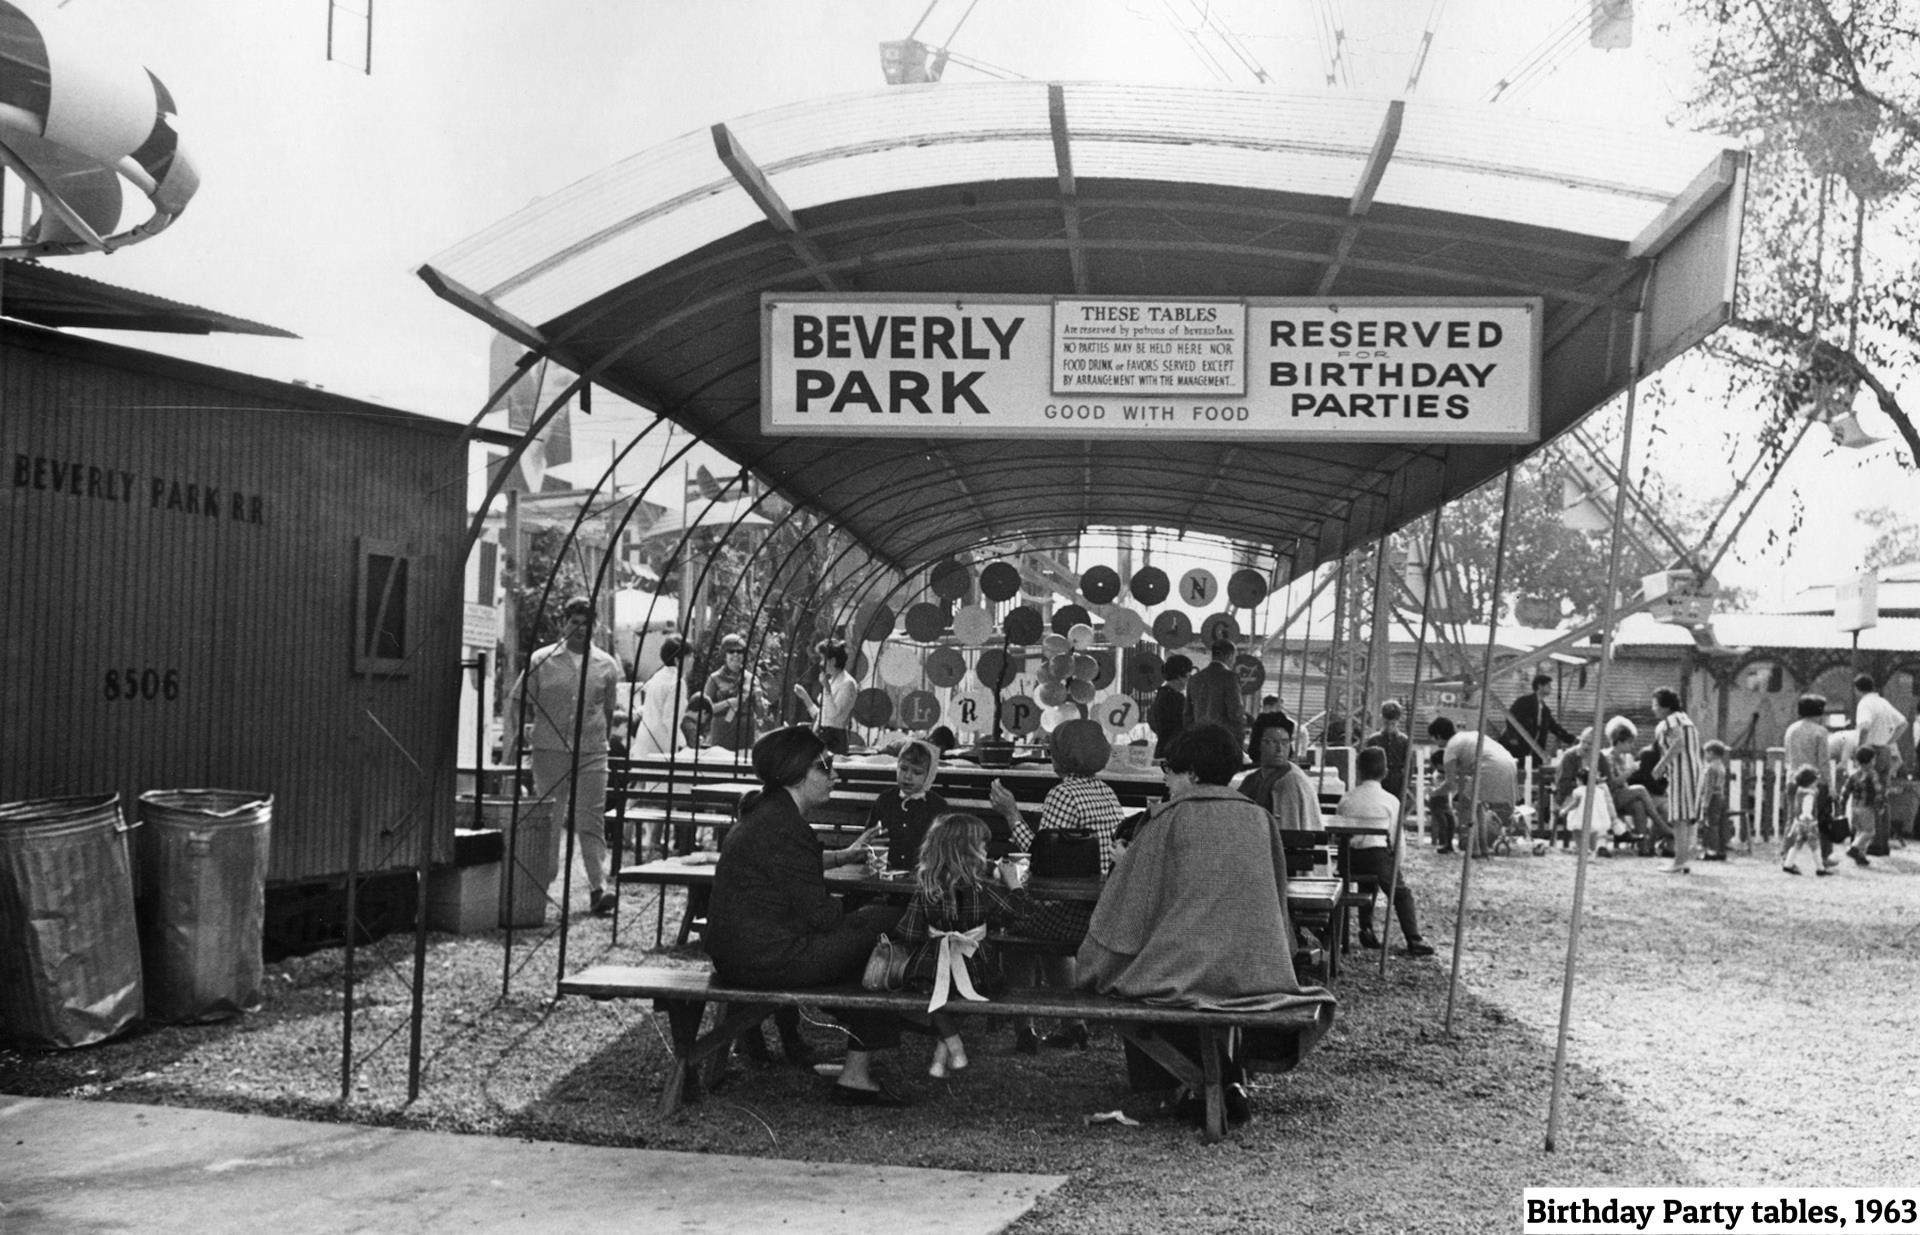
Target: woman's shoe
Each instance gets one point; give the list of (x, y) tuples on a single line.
[(1074, 1035), (956, 1054), (1025, 1041), (938, 1068), (1369, 940), (1675, 868)]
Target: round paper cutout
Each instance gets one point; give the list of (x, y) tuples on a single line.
[(1250, 672), (972, 625), (949, 579), (1066, 617), (899, 665), (971, 710), (1022, 625), (1143, 670), (873, 707), (1081, 691), (1198, 587), (1051, 694), (1218, 626), (999, 581), (1019, 715), (1124, 626), (945, 667), (1173, 630), (1058, 715), (1103, 670), (919, 709), (1081, 636), (1085, 667), (994, 663), (1100, 585), (1053, 645), (1117, 714), (871, 623), (1149, 585), (1060, 668), (1246, 589), (926, 622)]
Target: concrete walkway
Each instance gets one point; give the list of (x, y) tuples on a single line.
[(69, 1166)]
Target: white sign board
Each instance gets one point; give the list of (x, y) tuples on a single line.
[(480, 626), (1856, 602), (1306, 370)]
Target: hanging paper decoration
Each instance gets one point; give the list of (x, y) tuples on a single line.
[(873, 707), (900, 665), (871, 623), (1246, 589), (972, 625), (950, 580), (926, 622), (1019, 715), (999, 581), (1149, 585), (1022, 625), (1066, 617), (1080, 635), (1103, 667), (1173, 630), (1198, 588), (1124, 627), (1055, 644), (1117, 714), (1143, 670), (919, 709), (1222, 625), (1100, 584), (971, 710), (945, 667)]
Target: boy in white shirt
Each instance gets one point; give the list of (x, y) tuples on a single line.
[(1369, 802)]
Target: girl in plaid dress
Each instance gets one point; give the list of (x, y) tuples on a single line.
[(955, 900)]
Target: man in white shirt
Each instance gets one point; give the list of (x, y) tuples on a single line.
[(551, 688), (832, 716), (1373, 856), (1880, 725), (1496, 776)]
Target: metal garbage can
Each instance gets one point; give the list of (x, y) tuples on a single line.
[(69, 948), (532, 854), (203, 901)]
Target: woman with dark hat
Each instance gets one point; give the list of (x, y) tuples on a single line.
[(773, 924)]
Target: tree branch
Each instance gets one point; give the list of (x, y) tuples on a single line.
[(1793, 336)]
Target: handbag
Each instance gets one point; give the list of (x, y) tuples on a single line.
[(886, 966), (1064, 853)]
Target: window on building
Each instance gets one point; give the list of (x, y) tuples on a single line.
[(383, 603)]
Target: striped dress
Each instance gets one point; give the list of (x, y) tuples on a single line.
[(1682, 761)]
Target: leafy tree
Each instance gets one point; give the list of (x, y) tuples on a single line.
[(548, 557), (1896, 539), (1828, 94)]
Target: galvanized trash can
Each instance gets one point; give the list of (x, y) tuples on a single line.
[(69, 949), (203, 901), (532, 859)]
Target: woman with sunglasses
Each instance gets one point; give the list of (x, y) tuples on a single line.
[(773, 924)]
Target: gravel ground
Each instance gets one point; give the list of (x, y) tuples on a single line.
[(1734, 1026)]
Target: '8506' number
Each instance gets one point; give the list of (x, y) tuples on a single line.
[(142, 684)]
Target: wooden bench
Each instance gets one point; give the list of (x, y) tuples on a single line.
[(683, 995)]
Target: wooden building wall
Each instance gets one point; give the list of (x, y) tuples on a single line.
[(179, 549)]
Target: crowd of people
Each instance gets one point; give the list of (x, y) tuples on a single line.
[(1192, 907)]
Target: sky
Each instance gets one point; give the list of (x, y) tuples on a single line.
[(325, 187)]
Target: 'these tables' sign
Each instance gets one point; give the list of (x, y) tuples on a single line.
[(1323, 370)]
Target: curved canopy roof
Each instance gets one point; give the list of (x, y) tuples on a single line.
[(647, 278)]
